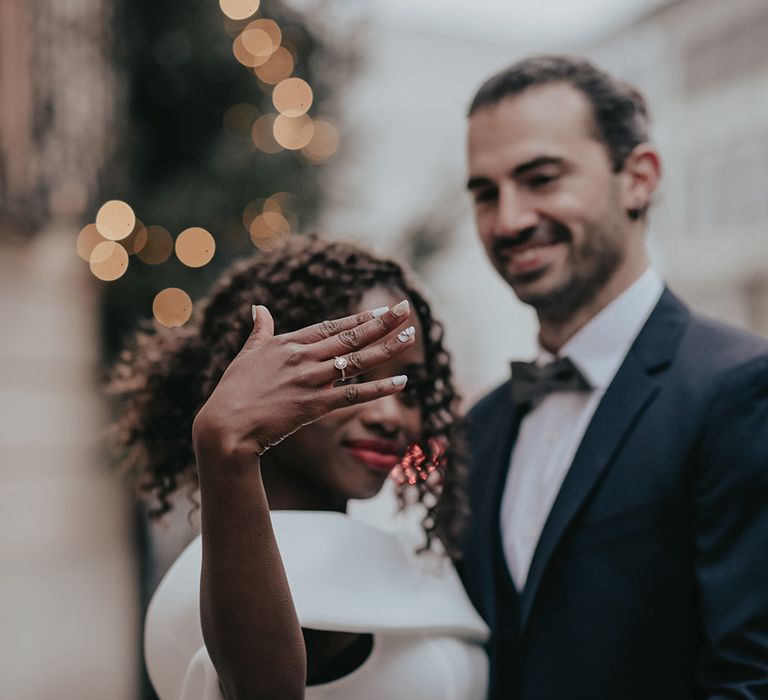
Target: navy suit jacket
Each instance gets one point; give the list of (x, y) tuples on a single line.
[(650, 579)]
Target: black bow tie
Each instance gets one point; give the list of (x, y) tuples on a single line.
[(532, 382)]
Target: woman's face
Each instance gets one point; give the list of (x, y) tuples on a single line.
[(350, 452)]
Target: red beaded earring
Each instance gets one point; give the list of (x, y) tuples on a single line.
[(417, 466)]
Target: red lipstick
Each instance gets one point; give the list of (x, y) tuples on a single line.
[(381, 455)]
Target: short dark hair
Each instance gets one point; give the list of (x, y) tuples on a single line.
[(621, 118)]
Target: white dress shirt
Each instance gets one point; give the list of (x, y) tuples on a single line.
[(552, 431)]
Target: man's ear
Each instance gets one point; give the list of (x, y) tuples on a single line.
[(641, 174)]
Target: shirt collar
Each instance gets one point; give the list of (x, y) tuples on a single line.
[(600, 346)]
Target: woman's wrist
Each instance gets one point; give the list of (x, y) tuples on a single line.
[(217, 444)]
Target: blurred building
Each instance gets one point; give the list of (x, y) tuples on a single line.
[(68, 603), (405, 169), (703, 65)]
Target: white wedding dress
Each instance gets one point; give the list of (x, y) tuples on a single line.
[(344, 576)]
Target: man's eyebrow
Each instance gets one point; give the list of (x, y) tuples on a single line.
[(536, 163), (475, 183), (478, 181)]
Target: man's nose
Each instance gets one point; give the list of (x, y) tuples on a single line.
[(515, 212)]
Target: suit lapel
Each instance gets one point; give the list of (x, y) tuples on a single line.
[(491, 450), (628, 396)]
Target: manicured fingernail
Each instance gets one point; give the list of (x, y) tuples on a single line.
[(400, 308), (399, 380), (380, 311), (405, 335), (253, 312)]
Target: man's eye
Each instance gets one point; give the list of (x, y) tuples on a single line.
[(485, 195), (541, 180)]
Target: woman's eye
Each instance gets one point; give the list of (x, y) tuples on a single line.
[(410, 395)]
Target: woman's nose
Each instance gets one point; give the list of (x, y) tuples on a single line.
[(384, 414)]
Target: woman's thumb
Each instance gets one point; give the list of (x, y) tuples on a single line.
[(263, 326)]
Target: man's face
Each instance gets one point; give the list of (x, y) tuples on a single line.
[(549, 208)]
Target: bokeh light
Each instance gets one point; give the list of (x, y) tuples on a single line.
[(279, 67), (172, 307), (290, 48), (276, 221), (251, 211), (239, 9), (293, 133), (137, 239), (195, 247), (268, 230), (292, 97), (87, 240), (324, 143), (109, 261), (278, 202), (263, 134), (258, 44), (242, 54), (239, 118), (281, 203), (255, 45), (115, 220), (270, 28), (158, 247)]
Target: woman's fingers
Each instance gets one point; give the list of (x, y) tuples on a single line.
[(359, 361), (350, 394), (319, 332), (362, 335)]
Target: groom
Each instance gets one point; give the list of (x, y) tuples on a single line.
[(619, 541)]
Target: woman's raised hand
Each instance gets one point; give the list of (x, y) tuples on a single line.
[(277, 384)]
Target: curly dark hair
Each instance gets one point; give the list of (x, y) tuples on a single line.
[(165, 376)]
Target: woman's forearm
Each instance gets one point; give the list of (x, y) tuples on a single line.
[(248, 619)]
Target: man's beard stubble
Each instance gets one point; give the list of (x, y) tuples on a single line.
[(588, 268)]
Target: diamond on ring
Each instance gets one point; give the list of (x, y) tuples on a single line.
[(341, 363)]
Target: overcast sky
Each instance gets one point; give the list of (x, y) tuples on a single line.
[(498, 19)]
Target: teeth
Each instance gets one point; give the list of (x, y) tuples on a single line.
[(530, 253)]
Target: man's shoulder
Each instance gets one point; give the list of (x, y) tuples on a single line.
[(720, 348), (702, 350)]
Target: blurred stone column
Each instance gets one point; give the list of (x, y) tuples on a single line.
[(68, 600), (67, 593)]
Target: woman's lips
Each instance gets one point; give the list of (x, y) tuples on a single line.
[(380, 456)]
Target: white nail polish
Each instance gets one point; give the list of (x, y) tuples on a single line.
[(404, 335), (380, 311), (253, 312), (400, 308), (399, 380)]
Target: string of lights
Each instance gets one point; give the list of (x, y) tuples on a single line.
[(117, 236)]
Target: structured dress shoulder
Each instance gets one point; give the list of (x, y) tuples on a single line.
[(344, 576)]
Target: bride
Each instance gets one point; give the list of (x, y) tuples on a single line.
[(280, 418)]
